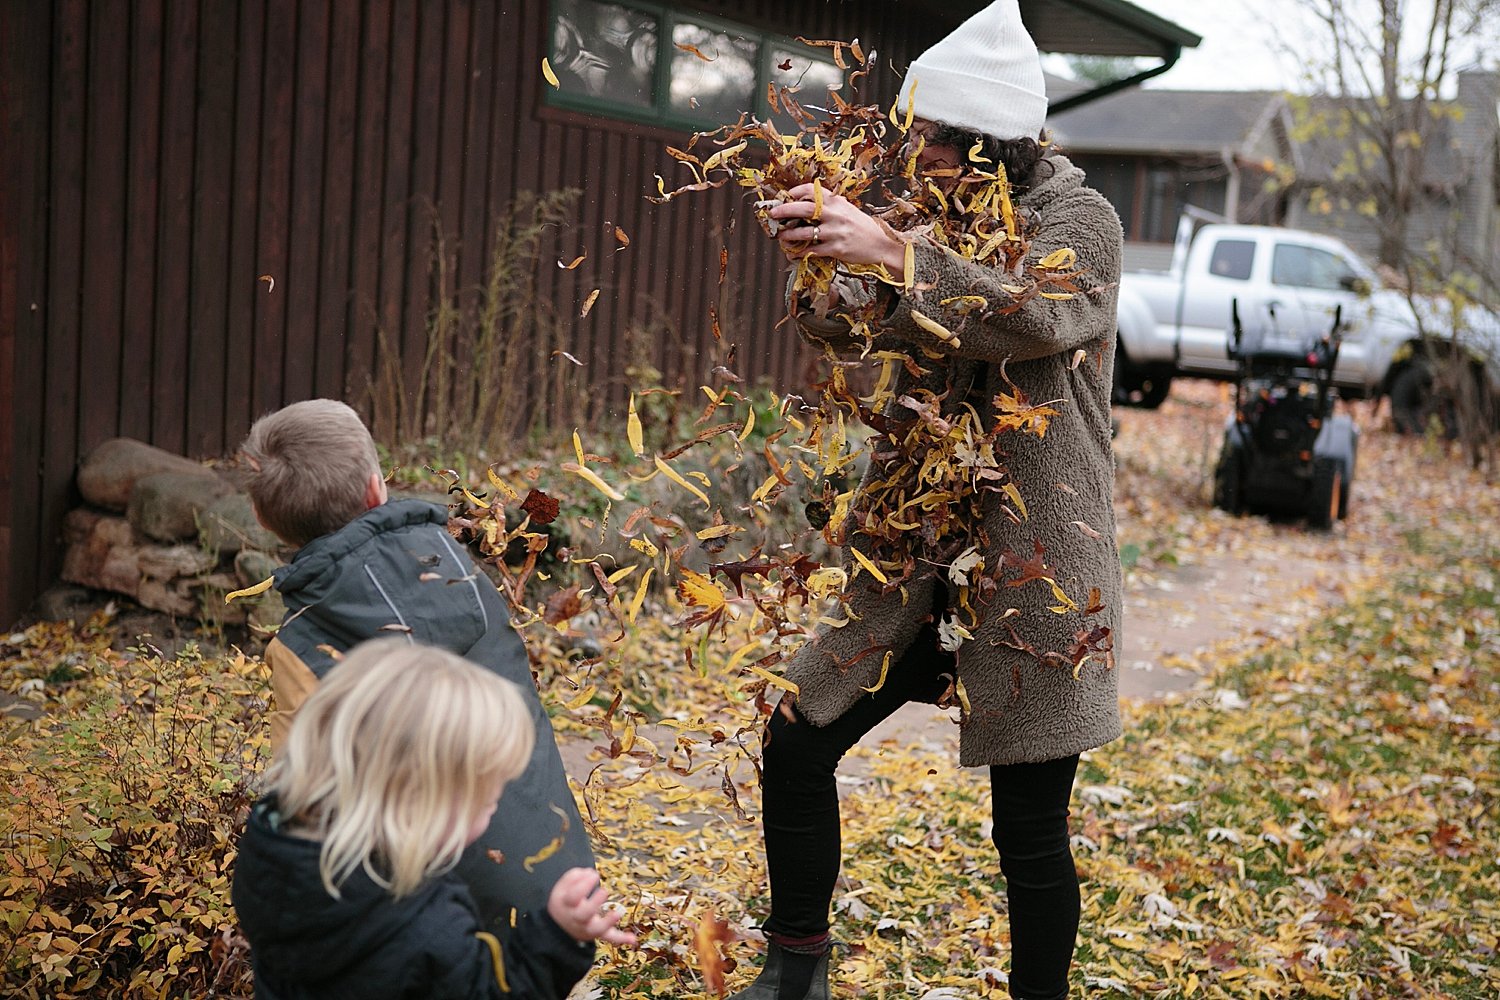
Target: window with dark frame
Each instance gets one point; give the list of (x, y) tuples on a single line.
[(658, 65)]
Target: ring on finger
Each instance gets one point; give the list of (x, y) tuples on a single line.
[(817, 235)]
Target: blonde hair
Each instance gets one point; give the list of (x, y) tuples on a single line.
[(394, 757), (311, 464)]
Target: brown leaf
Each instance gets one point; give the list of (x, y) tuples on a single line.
[(711, 932), (542, 508), (563, 605), (684, 46)]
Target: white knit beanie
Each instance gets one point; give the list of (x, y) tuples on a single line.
[(985, 76)]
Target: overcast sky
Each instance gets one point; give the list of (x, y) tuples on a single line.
[(1243, 45)]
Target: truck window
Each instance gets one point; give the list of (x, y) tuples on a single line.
[(1307, 267), (1232, 259)]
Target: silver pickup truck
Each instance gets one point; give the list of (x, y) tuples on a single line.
[(1177, 322)]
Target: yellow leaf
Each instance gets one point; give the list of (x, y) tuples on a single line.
[(259, 588), (578, 448), (1059, 260), (581, 699), (640, 595), (589, 476), (699, 591), (1011, 491), (719, 531), (775, 680), (885, 665), (864, 561), (621, 574), (975, 153), (673, 475), (547, 73), (588, 303), (749, 425), (935, 328), (505, 488), (728, 152), (741, 655), (633, 430)]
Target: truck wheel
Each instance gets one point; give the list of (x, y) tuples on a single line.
[(1228, 496), (1415, 401), (1327, 493)]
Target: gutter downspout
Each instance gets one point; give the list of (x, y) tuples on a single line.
[(1104, 90)]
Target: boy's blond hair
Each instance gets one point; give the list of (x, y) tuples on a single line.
[(394, 758), (311, 464)]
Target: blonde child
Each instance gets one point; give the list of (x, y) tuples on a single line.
[(344, 883)]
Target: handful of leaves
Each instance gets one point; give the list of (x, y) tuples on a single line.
[(934, 457)]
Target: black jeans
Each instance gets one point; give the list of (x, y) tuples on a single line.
[(800, 813)]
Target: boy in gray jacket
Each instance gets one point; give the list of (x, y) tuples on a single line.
[(368, 566)]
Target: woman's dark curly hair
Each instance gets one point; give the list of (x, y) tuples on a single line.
[(1022, 157)]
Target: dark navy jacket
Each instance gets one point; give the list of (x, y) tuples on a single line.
[(365, 945), (395, 571)]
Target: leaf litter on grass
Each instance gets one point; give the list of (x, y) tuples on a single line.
[(1317, 820)]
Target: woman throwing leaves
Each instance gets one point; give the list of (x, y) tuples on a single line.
[(1018, 631)]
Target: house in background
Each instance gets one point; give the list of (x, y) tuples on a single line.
[(1156, 154), (209, 210), (1245, 156), (1459, 206)]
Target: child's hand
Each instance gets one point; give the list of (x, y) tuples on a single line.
[(577, 903)]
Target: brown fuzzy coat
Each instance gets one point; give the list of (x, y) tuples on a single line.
[(1024, 706)]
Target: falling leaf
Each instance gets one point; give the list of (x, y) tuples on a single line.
[(588, 303), (1090, 532), (547, 73), (592, 478), (633, 431), (622, 238), (709, 936), (784, 65), (684, 46), (574, 262), (541, 508), (570, 357), (258, 589), (270, 283), (673, 475)]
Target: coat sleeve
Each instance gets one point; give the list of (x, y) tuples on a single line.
[(1082, 221), (539, 962)]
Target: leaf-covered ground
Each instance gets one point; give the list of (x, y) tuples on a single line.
[(1316, 818)]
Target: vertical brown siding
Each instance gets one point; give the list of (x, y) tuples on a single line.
[(162, 156)]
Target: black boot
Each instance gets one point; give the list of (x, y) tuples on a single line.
[(783, 965)]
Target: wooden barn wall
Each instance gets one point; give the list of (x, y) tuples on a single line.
[(164, 155)]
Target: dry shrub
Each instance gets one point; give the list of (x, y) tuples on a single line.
[(483, 379), (119, 813)]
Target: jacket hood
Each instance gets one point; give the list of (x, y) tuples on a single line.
[(394, 570), (298, 932)]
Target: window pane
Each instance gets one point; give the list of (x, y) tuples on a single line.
[(605, 50), (812, 78), (1305, 267), (1232, 259), (722, 84)]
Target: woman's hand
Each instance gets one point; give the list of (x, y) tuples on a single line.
[(577, 904), (842, 231)]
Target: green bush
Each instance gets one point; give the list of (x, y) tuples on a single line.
[(120, 810)]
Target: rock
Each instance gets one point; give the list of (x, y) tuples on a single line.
[(165, 505), (251, 567), (64, 603), (105, 553), (108, 474), (229, 525)]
